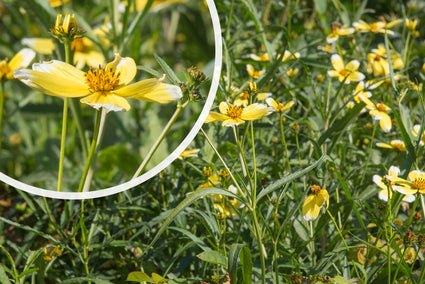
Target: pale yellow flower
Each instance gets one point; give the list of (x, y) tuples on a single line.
[(262, 57), (411, 24), (40, 45), (383, 194), (252, 72), (189, 153), (107, 87), (415, 132), (21, 60), (287, 55), (57, 3), (315, 201), (234, 115), (279, 107), (292, 72), (378, 112), (243, 98), (376, 27), (415, 184), (345, 72), (394, 144), (224, 208), (338, 30), (379, 64), (86, 53)]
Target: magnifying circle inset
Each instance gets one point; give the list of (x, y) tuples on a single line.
[(167, 161)]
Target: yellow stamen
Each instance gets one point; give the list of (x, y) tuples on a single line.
[(344, 72), (419, 184), (102, 80), (315, 189), (234, 111), (381, 107)]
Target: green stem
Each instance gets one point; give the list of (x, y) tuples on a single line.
[(62, 149), (160, 138), (421, 276), (286, 156), (235, 182), (92, 150), (260, 244), (67, 46), (369, 154), (244, 163), (337, 228), (399, 264), (1, 108), (254, 189)]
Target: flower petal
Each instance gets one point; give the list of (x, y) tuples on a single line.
[(215, 116), (337, 62), (108, 101), (254, 111), (53, 84), (232, 121), (150, 90), (310, 208), (125, 66)]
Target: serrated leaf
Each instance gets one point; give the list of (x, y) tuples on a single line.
[(214, 257)]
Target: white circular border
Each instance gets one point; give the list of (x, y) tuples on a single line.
[(167, 161)]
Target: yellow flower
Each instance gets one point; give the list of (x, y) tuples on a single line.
[(377, 27), (415, 132), (394, 144), (66, 28), (383, 194), (279, 107), (411, 24), (252, 72), (40, 45), (52, 253), (379, 64), (379, 112), (345, 72), (106, 87), (189, 153), (57, 3), (157, 5), (287, 55), (415, 184), (21, 60), (86, 53), (292, 72), (338, 30), (263, 57), (223, 207), (234, 115), (311, 208)]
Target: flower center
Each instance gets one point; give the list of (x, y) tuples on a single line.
[(381, 107), (373, 26), (280, 107), (344, 72), (315, 189), (234, 111), (419, 184), (102, 80), (77, 44)]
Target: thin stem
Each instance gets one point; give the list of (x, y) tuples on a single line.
[(260, 245), (235, 182), (337, 228), (399, 264), (286, 156), (67, 46), (1, 108), (244, 163), (62, 149), (159, 140), (254, 189), (92, 150), (369, 154)]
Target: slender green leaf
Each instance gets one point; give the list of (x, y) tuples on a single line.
[(246, 262), (167, 69), (233, 257), (185, 203), (281, 182), (4, 279)]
